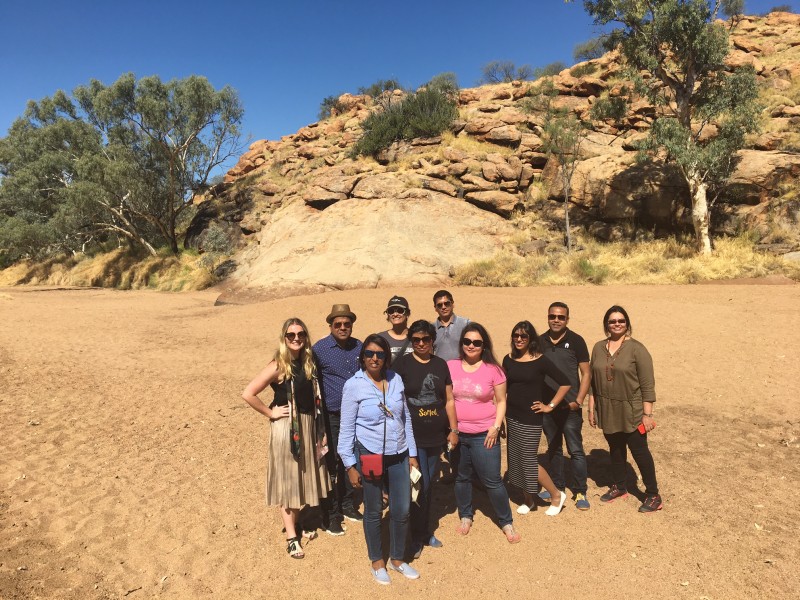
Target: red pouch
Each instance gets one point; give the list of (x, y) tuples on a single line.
[(372, 467)]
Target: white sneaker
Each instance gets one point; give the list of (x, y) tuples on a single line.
[(523, 509)]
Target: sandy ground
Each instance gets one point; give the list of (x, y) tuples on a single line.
[(132, 468)]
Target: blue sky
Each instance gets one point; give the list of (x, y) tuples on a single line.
[(282, 57)]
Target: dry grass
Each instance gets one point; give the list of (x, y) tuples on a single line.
[(475, 147), (119, 269), (656, 262)]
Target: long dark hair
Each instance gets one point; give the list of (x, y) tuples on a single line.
[(487, 354), (534, 347), (619, 309), (374, 338)]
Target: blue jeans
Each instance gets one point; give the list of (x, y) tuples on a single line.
[(421, 531), (485, 462), (566, 425), (398, 484)]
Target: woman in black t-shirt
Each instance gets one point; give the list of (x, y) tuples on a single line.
[(296, 475), (429, 394), (526, 369)]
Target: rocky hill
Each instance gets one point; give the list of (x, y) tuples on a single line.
[(305, 215)]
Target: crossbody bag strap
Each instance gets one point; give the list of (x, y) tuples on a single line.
[(385, 417)]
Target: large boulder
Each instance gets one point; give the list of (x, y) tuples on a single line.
[(356, 244)]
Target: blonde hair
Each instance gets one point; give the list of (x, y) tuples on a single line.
[(283, 357)]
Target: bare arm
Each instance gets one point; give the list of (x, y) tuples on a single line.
[(450, 409), (586, 381), (500, 403), (259, 384)]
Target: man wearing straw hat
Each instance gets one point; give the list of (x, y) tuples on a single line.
[(337, 357)]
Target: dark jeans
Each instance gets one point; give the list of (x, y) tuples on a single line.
[(476, 458), (342, 496), (566, 425), (421, 529), (396, 481), (618, 444)]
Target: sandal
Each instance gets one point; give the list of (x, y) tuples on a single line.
[(465, 526), (294, 548), (512, 536)]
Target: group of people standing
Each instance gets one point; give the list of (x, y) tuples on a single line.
[(377, 416)]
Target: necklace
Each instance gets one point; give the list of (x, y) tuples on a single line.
[(610, 359)]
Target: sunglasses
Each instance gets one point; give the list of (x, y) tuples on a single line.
[(395, 310), (557, 317), (421, 340), (342, 325), (386, 410), (469, 342), (617, 321), (444, 304), (520, 336), (291, 335), (379, 354)]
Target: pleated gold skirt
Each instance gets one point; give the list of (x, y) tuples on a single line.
[(294, 483)]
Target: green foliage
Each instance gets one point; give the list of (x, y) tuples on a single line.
[(781, 8), (505, 71), (610, 108), (554, 68), (122, 160), (379, 87), (583, 70), (590, 49), (328, 106), (732, 8), (426, 113)]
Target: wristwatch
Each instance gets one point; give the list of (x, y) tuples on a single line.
[(456, 431), (551, 405)]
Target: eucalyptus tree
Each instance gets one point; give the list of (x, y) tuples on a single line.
[(123, 159), (681, 47)]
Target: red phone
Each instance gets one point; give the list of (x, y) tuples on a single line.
[(641, 428)]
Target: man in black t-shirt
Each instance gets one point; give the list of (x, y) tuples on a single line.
[(569, 352)]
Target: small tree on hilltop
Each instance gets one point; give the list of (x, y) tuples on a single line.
[(505, 71), (682, 48), (562, 135)]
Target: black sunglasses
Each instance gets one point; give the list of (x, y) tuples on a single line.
[(444, 304), (557, 317), (396, 310), (342, 325), (521, 336), (617, 321), (379, 354), (291, 335), (469, 342), (421, 340)]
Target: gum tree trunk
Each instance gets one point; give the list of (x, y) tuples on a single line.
[(700, 214)]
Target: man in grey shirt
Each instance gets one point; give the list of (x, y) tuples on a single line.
[(448, 327)]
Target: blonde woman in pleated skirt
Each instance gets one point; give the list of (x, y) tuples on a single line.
[(296, 474)]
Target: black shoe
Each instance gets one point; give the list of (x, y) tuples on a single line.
[(353, 514), (335, 528), (651, 504), (614, 493)]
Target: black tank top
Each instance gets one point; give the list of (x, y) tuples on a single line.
[(303, 390)]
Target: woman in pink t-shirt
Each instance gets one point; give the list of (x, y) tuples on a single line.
[(479, 389)]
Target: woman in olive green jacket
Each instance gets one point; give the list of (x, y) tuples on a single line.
[(621, 404)]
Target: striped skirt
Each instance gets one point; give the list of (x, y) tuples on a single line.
[(523, 455), (294, 483)]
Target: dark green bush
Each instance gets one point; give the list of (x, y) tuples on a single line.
[(328, 105), (426, 113), (379, 87)]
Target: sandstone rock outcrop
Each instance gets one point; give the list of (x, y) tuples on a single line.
[(307, 212)]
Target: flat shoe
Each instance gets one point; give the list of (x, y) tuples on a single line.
[(512, 536), (381, 576), (405, 569), (524, 509), (465, 526), (554, 510), (434, 542)]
